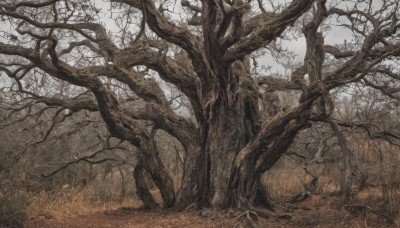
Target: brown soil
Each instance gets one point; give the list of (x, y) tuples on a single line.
[(314, 212)]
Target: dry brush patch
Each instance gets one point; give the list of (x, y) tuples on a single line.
[(68, 202), (314, 212)]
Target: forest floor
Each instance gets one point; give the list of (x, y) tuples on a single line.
[(315, 211)]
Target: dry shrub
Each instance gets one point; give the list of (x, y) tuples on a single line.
[(328, 186), (288, 178), (391, 197), (285, 180), (70, 202), (385, 198), (376, 161), (371, 197), (13, 210)]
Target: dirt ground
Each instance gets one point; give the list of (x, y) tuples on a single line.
[(314, 212)]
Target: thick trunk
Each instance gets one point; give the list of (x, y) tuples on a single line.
[(246, 189), (245, 185), (231, 176), (234, 124), (226, 170), (234, 150), (226, 136), (233, 121), (208, 169)]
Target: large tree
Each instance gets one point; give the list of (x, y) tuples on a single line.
[(233, 136)]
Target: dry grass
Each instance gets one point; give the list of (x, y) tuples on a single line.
[(71, 202), (385, 199), (285, 180), (80, 208), (316, 211), (289, 178), (391, 196), (370, 195)]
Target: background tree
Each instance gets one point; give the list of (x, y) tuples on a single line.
[(212, 60)]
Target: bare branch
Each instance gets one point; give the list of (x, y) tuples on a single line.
[(87, 159), (390, 92), (277, 84), (337, 53), (268, 30), (28, 4), (380, 134)]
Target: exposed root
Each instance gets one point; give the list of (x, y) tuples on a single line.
[(256, 222), (257, 216)]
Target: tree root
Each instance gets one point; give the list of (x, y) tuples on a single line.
[(257, 216), (255, 224)]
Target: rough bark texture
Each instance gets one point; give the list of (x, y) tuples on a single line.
[(152, 164), (193, 178), (143, 184), (347, 178)]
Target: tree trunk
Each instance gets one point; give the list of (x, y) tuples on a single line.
[(245, 184), (191, 185), (346, 182), (143, 184), (150, 161), (236, 150), (246, 189), (225, 138), (225, 170), (232, 122)]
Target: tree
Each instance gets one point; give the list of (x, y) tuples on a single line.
[(208, 59)]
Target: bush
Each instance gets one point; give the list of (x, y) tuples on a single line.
[(13, 210), (391, 195)]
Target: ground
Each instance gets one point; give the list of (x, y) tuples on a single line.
[(316, 211)]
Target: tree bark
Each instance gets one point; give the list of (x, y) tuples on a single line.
[(225, 138), (191, 184), (150, 161), (233, 122), (246, 188), (143, 184), (346, 182)]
